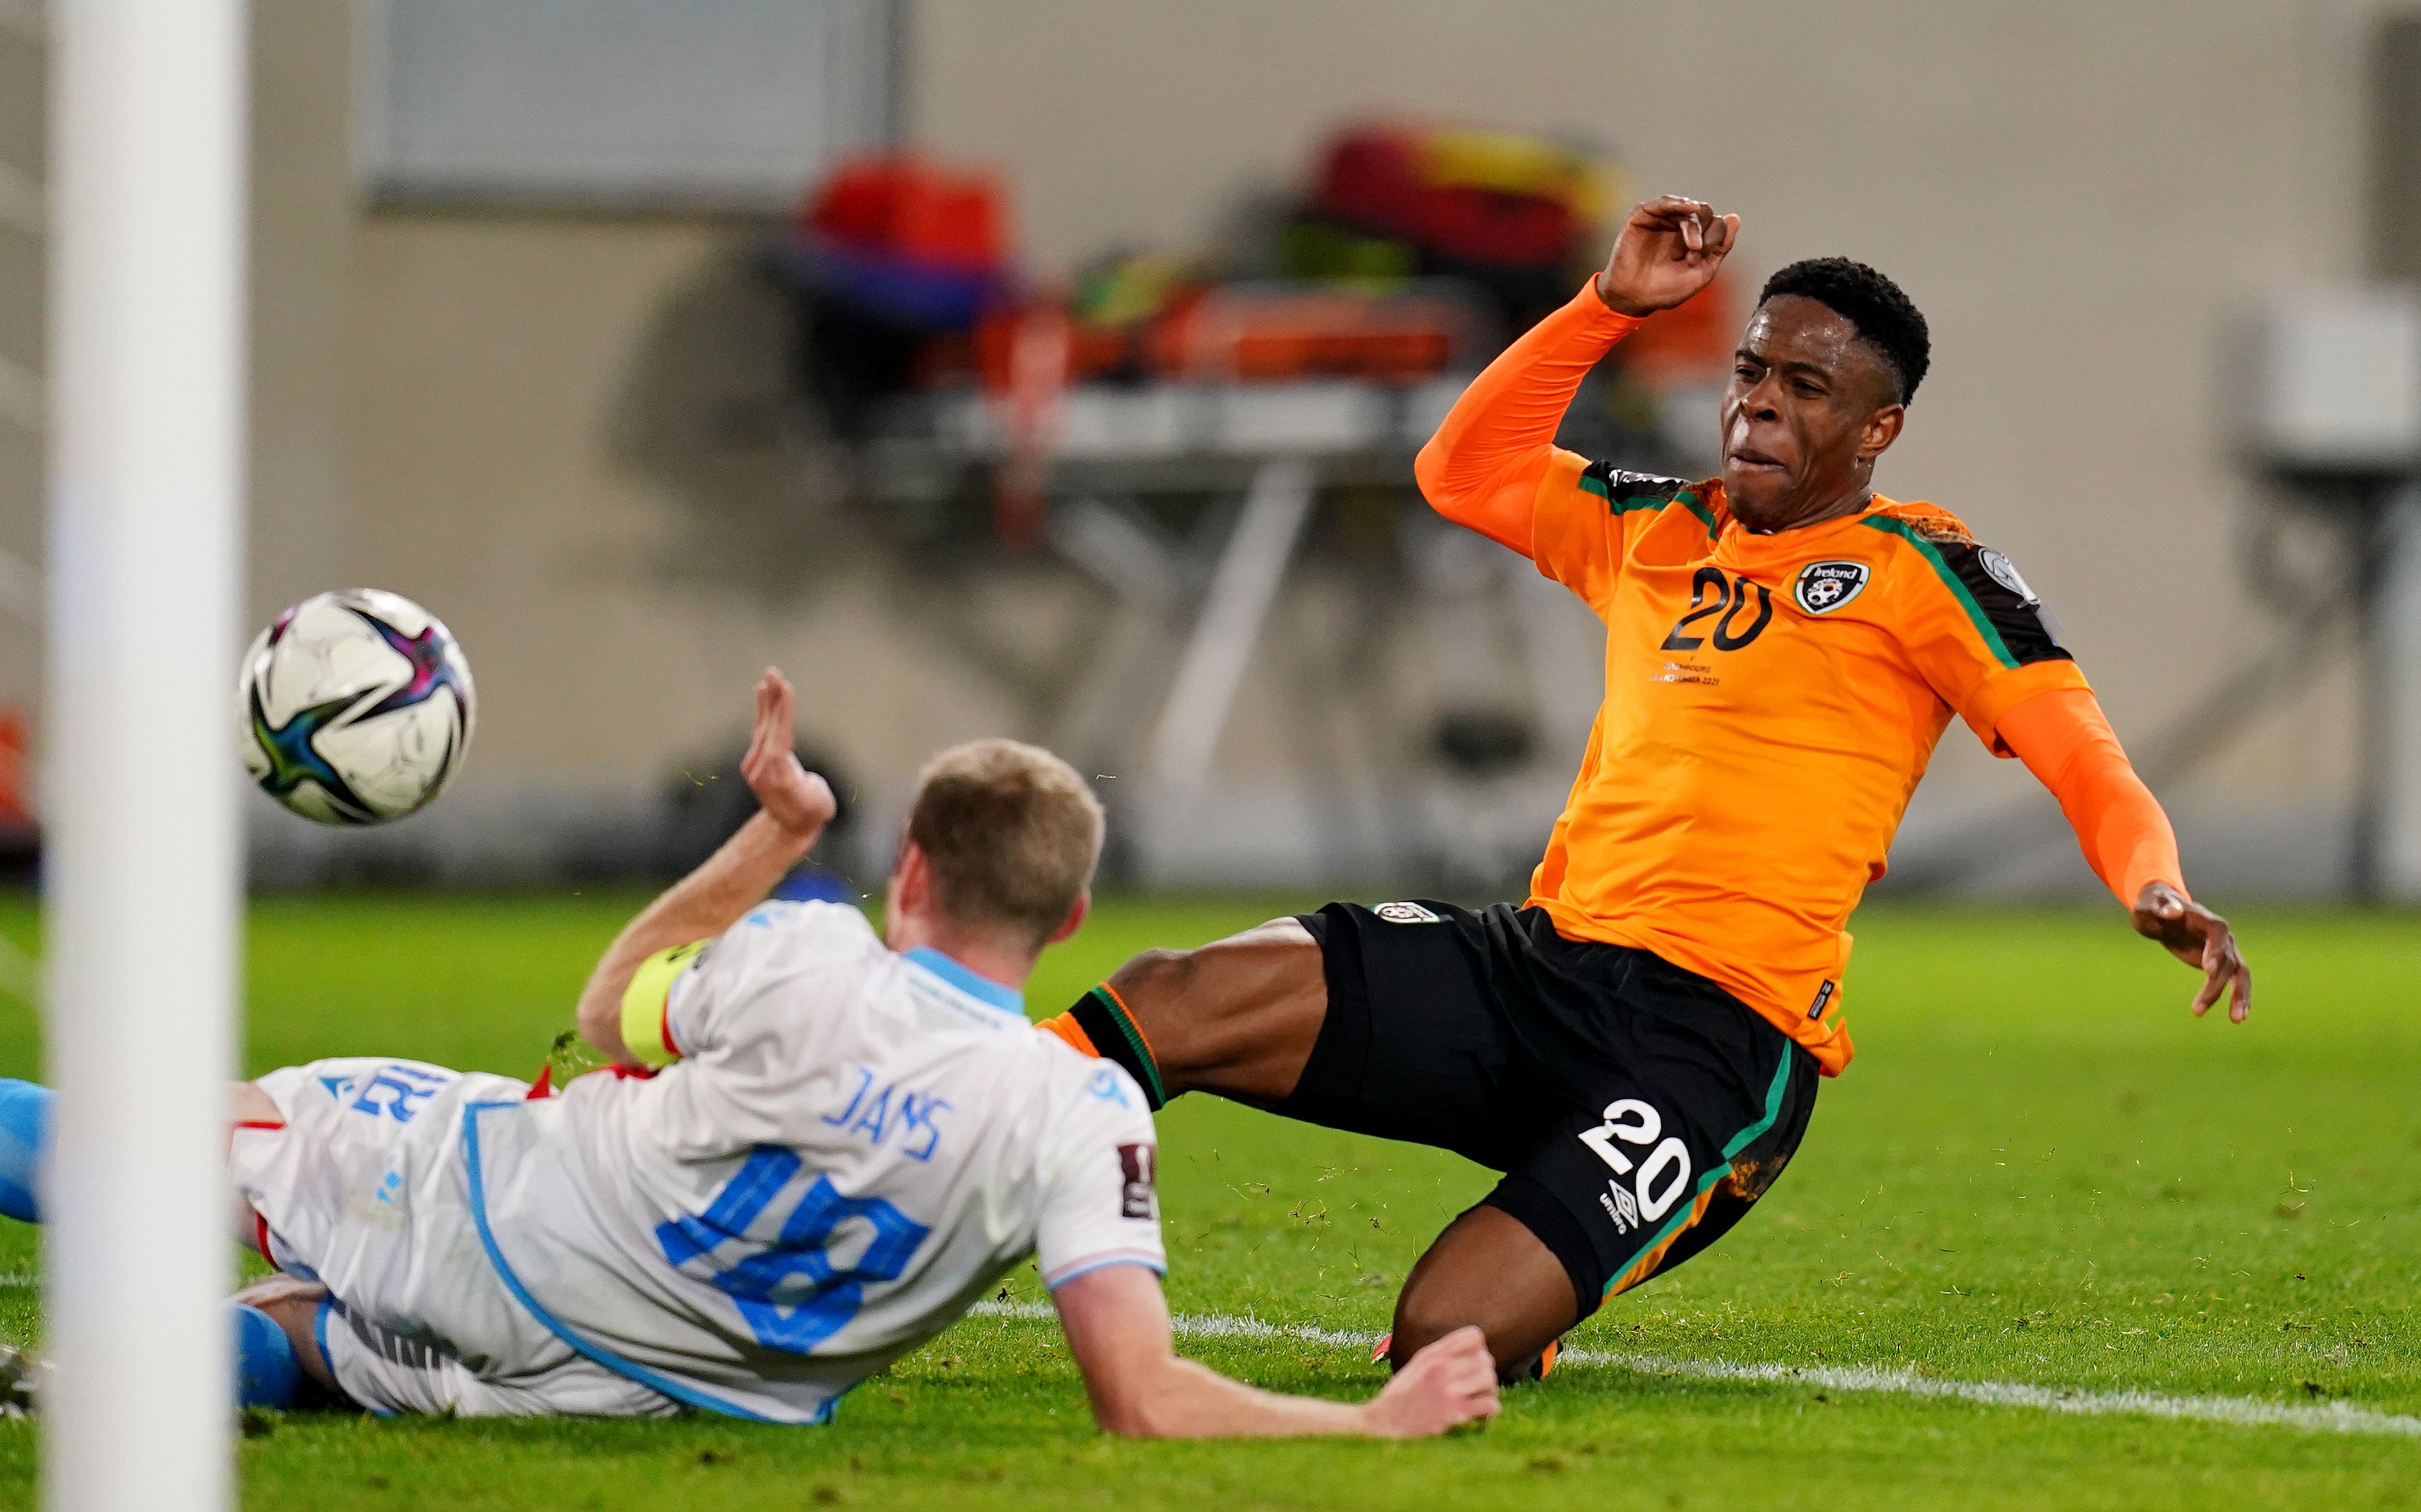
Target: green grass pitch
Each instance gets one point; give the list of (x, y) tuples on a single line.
[(2039, 1171)]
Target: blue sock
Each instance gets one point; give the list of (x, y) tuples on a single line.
[(267, 1372), (24, 1138)]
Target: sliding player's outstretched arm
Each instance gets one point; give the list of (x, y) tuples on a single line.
[(796, 804), (2066, 742), (1117, 1322), (1484, 466)]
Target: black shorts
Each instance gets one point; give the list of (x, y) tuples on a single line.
[(1637, 1109)]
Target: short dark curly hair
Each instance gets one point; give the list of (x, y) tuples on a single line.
[(1868, 301)]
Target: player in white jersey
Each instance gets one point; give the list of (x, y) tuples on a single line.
[(817, 1150)]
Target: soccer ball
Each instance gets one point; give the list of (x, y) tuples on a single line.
[(354, 708)]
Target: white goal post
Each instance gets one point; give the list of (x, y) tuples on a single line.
[(142, 886)]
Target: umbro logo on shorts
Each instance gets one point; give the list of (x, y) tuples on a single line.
[(1404, 914), (1824, 586), (1647, 1182)]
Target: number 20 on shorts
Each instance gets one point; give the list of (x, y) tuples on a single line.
[(1664, 1176)]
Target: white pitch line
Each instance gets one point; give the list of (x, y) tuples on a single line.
[(1200, 1326), (2336, 1417), (2240, 1411)]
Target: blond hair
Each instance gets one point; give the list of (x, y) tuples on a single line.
[(1012, 833)]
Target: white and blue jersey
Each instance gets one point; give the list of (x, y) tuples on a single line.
[(851, 1147)]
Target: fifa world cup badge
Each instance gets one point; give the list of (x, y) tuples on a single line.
[(1137, 1168)]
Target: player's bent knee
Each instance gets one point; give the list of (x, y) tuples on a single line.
[(293, 1306), (1490, 1270), (1515, 1336), (1431, 1306), (1422, 1319)]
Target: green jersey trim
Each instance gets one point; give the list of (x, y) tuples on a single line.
[(1632, 495), (1949, 576)]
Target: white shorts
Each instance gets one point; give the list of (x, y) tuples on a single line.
[(364, 1191)]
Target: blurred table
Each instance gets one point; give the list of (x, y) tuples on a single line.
[(1167, 438), (1272, 446)]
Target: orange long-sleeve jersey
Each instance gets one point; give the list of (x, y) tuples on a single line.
[(1771, 701)]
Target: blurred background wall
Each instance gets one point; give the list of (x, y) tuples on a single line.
[(567, 429)]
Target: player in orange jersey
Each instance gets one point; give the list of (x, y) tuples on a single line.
[(1638, 1048)]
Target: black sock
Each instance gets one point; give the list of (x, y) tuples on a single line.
[(1113, 1032)]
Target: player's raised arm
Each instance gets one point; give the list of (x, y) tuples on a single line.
[(796, 804), (1117, 1322), (1483, 467), (2066, 742)]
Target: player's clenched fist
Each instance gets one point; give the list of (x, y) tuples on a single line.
[(1668, 250), (1452, 1382)]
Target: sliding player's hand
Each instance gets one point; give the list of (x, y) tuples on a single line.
[(2202, 940), (794, 797), (1450, 1382), (1669, 249)]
